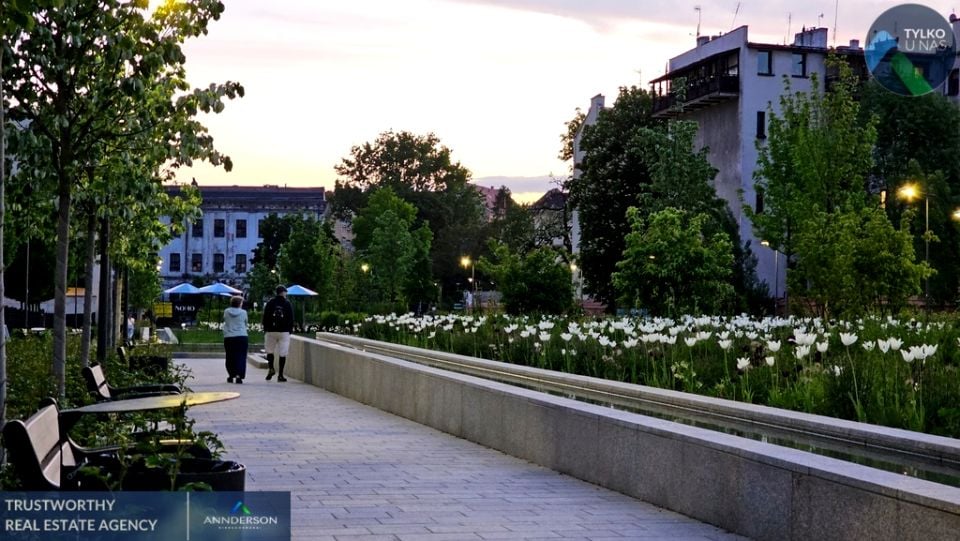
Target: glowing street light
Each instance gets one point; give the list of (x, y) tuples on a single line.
[(910, 193)]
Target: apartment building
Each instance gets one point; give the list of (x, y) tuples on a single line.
[(220, 244)]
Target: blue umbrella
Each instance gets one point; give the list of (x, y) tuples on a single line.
[(185, 288), (300, 291)]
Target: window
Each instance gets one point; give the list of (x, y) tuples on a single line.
[(241, 229), (241, 265), (758, 207), (764, 62), (196, 262), (219, 227), (259, 229), (217, 262), (174, 262), (799, 65), (197, 228), (953, 83), (761, 125)]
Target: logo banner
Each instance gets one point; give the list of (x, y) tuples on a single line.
[(145, 516)]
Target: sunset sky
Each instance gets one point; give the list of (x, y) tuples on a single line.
[(494, 79)]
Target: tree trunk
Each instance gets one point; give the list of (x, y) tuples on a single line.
[(88, 289), (60, 286), (103, 304), (3, 321)]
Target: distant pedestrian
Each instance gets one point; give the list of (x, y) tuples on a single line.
[(468, 301), (131, 322), (277, 326), (235, 340)]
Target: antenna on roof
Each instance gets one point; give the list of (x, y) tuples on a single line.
[(789, 22), (699, 11), (735, 13), (820, 20)]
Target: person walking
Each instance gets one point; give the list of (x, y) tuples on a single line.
[(235, 340), (277, 326)]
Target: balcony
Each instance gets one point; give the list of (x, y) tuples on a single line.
[(700, 94)]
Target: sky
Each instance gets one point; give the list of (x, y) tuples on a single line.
[(495, 80)]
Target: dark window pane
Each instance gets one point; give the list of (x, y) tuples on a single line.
[(241, 265), (174, 262), (241, 229), (219, 227), (196, 262), (761, 125), (198, 228), (217, 262)]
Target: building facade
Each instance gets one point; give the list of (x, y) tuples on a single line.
[(220, 244), (730, 86)]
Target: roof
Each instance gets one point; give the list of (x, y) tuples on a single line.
[(554, 199), (266, 197)]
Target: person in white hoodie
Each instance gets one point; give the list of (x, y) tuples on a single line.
[(235, 340)]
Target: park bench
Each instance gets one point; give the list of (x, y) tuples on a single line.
[(98, 386), (45, 458)]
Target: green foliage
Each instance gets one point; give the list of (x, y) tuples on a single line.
[(101, 98), (380, 201), (855, 259), (420, 171), (671, 266), (614, 174), (817, 156), (538, 281)]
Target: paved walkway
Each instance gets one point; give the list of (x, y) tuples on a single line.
[(356, 473)]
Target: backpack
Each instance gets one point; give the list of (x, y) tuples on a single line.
[(279, 316)]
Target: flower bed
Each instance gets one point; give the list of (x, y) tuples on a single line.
[(898, 373)]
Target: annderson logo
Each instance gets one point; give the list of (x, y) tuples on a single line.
[(910, 49)]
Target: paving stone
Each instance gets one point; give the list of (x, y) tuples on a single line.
[(360, 474)]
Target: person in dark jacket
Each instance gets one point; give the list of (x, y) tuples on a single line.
[(277, 326)]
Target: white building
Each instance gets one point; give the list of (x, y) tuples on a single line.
[(731, 84), (220, 244)]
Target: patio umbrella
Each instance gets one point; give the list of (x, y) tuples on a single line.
[(219, 288), (300, 291), (185, 288)]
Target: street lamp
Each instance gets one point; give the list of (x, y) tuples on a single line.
[(466, 262), (776, 273), (365, 267), (911, 192)]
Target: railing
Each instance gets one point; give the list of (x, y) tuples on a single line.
[(723, 85)]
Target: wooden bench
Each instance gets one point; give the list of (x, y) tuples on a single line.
[(42, 456), (98, 386), (45, 458)]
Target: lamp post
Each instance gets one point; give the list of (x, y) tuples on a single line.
[(776, 274), (466, 262), (911, 192)]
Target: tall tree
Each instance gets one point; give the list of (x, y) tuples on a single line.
[(672, 265), (420, 170), (81, 75), (814, 171), (682, 179), (817, 155), (614, 173), (916, 142)]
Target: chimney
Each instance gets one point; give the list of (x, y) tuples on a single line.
[(702, 40), (811, 37), (855, 44)]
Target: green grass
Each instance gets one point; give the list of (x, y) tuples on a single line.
[(210, 336)]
